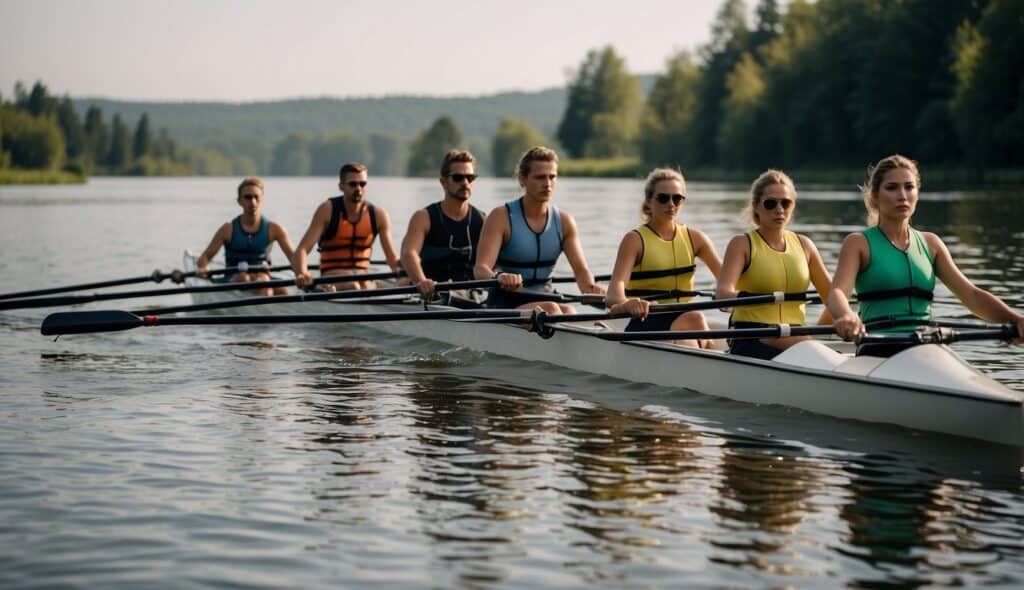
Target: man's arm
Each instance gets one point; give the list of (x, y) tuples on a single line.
[(316, 228), (386, 241), (279, 234), (412, 244), (220, 237), (493, 235)]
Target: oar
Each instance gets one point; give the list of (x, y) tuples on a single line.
[(84, 322), (781, 331), (80, 299), (370, 294), (157, 276), (944, 335)]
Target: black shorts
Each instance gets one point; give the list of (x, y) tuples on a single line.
[(883, 349), (655, 322), (752, 347), (502, 299)]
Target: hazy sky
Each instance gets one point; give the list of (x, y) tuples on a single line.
[(239, 50)]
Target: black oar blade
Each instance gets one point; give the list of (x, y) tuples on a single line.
[(86, 322)]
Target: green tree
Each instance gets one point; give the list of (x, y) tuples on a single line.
[(729, 39), (988, 102), (388, 154), (97, 135), (668, 114), (430, 146), (740, 115), (119, 156), (142, 141), (327, 154), (39, 102), (31, 142), (77, 145), (510, 141), (601, 110), (291, 156)]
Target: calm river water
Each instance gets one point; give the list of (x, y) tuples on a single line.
[(314, 456)]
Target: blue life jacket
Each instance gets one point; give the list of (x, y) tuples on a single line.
[(253, 249), (528, 253)]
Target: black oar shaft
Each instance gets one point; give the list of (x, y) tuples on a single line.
[(82, 299), (770, 332)]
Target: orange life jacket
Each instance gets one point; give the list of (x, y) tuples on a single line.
[(347, 244)]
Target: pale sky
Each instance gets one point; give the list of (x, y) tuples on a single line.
[(239, 50)]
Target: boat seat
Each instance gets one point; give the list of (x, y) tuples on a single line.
[(811, 354)]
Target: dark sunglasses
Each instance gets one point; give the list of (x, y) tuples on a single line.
[(355, 183), (665, 198), (460, 177), (248, 197), (770, 204)]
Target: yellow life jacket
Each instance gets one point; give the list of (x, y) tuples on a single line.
[(665, 265), (771, 271)]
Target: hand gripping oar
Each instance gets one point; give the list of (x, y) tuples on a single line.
[(84, 322), (80, 299)]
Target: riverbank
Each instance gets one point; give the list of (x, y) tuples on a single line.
[(18, 176), (934, 176)]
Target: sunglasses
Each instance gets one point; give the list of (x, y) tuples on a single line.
[(665, 198), (355, 183), (770, 204), (460, 177)]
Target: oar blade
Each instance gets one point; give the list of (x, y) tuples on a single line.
[(87, 322)]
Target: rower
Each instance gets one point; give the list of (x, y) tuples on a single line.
[(893, 266), (770, 259), (522, 239), (658, 258), (344, 228), (247, 240), (441, 241)]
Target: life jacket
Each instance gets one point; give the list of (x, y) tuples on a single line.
[(449, 249), (665, 265), (253, 249), (771, 271), (347, 244), (896, 285), (529, 253)]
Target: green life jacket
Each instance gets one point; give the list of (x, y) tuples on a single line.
[(896, 285)]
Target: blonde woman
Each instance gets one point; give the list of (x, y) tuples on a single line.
[(768, 259), (657, 258)]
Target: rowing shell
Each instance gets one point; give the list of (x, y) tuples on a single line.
[(927, 387)]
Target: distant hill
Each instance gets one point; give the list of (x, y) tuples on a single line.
[(195, 123)]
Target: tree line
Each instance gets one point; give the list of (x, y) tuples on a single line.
[(827, 84), (39, 131)]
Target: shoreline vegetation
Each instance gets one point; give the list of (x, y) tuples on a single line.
[(9, 176), (803, 86)]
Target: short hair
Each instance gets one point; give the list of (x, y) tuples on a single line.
[(250, 181), (454, 156), (350, 168), (767, 178), (876, 174), (535, 154), (656, 176)]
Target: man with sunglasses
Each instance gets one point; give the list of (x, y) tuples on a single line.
[(344, 229), (440, 243), (247, 240), (522, 239)]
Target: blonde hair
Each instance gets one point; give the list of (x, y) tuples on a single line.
[(535, 154), (656, 176), (767, 178), (250, 181), (876, 174)]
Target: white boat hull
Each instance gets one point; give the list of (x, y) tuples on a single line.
[(926, 388)]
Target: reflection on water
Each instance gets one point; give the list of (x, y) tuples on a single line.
[(306, 456)]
